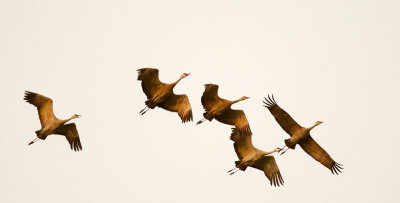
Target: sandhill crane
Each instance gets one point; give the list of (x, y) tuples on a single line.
[(220, 109), (162, 95), (50, 123), (300, 135), (250, 156)]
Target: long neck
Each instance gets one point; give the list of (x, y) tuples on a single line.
[(66, 120), (265, 153), (236, 101), (316, 124), (176, 82)]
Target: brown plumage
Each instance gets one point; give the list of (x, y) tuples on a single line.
[(250, 156), (50, 123), (220, 109), (301, 135), (162, 95)]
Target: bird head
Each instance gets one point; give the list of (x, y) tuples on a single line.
[(277, 149), (184, 75), (244, 98), (318, 123), (76, 116)]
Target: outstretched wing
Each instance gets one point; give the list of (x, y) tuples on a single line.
[(180, 104), (242, 144), (210, 97), (284, 119), (270, 168), (150, 82), (43, 104), (72, 135), (236, 118), (318, 153)]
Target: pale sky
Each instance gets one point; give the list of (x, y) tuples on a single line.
[(334, 61)]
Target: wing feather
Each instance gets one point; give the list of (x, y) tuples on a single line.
[(270, 168), (288, 124), (71, 133), (150, 81), (210, 97), (311, 147), (236, 118), (242, 144), (179, 104), (43, 104)]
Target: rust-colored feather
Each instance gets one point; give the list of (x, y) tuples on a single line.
[(311, 147), (71, 133), (179, 104), (44, 106), (282, 117)]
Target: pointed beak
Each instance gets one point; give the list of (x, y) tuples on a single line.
[(79, 116)]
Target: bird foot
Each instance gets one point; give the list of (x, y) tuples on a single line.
[(283, 152)]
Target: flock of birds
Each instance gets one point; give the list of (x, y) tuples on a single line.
[(162, 95)]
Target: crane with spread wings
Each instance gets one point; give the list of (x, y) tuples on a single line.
[(162, 95), (301, 135), (50, 123), (251, 156), (220, 109)]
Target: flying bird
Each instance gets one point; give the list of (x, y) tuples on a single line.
[(301, 135), (250, 156), (50, 123), (220, 109), (162, 95)]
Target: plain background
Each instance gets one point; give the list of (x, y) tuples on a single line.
[(334, 61)]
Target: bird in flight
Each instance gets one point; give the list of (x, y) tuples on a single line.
[(50, 123), (220, 109), (250, 156), (162, 94), (300, 135)]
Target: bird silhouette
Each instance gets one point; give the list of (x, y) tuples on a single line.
[(301, 135), (50, 123), (220, 109), (162, 95), (251, 156)]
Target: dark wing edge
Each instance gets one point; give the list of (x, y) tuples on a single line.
[(150, 81), (210, 96), (179, 104), (271, 170), (36, 99), (236, 118), (242, 143), (311, 147), (287, 123), (71, 133)]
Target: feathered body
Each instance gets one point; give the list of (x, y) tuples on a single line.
[(50, 123), (220, 109), (301, 135), (251, 156), (162, 95)]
